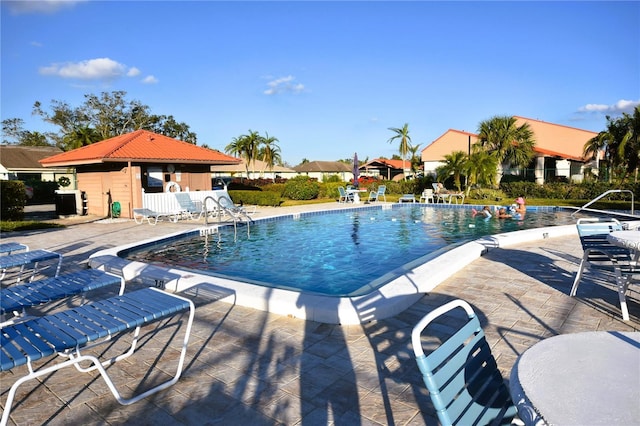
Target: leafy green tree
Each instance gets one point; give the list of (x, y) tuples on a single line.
[(403, 135), (12, 128), (109, 114), (454, 164), (505, 140)]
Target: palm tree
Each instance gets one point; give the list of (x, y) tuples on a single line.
[(245, 147), (620, 143), (405, 139), (455, 164), (79, 137), (415, 158), (481, 169), (270, 151), (508, 142)]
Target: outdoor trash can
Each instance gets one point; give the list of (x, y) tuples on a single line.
[(65, 204)]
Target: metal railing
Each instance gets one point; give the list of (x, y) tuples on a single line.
[(224, 206), (604, 194)]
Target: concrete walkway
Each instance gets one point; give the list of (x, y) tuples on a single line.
[(247, 367)]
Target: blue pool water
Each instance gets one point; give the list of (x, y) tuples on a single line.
[(335, 253)]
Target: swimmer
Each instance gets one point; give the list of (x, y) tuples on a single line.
[(485, 212), (502, 214), (521, 208)]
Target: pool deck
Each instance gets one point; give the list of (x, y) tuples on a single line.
[(249, 367)]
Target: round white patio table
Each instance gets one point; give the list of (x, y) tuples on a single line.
[(588, 378), (626, 239), (356, 194)]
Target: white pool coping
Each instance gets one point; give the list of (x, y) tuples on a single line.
[(414, 280)]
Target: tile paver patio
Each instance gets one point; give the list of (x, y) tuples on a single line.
[(251, 367)]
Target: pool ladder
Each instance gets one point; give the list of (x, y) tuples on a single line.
[(237, 214)]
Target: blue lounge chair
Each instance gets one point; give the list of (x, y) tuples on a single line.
[(600, 254), (462, 376), (8, 248), (27, 258), (17, 298), (70, 332)]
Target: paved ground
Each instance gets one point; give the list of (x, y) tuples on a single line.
[(248, 367)]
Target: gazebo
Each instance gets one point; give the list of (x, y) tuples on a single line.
[(123, 168)]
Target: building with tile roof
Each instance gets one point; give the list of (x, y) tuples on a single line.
[(384, 168), (18, 162), (559, 149), (258, 169), (321, 169), (121, 168)]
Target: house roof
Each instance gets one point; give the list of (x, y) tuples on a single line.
[(323, 167), (551, 140), (25, 157), (139, 146), (393, 164), (257, 166)]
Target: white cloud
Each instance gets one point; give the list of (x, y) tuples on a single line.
[(621, 106), (18, 7), (284, 85), (36, 44), (149, 80), (91, 69), (133, 71)]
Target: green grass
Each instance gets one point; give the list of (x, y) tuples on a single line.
[(26, 225)]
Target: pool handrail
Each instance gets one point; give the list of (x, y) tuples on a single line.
[(610, 191)]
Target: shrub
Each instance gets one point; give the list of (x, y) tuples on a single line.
[(301, 188), (258, 198), (13, 198)]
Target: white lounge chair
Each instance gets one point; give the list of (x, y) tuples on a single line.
[(188, 207), (375, 195), (599, 253), (140, 215), (427, 196)]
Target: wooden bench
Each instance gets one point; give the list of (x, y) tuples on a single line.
[(69, 332)]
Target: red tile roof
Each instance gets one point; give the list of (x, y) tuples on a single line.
[(139, 146)]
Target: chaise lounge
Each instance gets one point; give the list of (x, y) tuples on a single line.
[(70, 332)]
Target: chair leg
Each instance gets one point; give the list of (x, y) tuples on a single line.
[(576, 281), (623, 284)]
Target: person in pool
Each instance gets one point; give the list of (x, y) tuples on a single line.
[(503, 214), (485, 212), (521, 207)]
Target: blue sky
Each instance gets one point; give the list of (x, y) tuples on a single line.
[(327, 78)]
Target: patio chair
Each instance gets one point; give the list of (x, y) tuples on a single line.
[(375, 195), (427, 196), (70, 333), (19, 297), (187, 207), (600, 254), (27, 258), (152, 218), (344, 197), (462, 376)]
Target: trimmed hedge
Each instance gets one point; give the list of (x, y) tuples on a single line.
[(258, 198)]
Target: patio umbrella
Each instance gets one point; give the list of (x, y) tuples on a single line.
[(356, 170)]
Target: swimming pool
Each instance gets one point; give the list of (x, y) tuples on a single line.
[(391, 293), (336, 253)]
